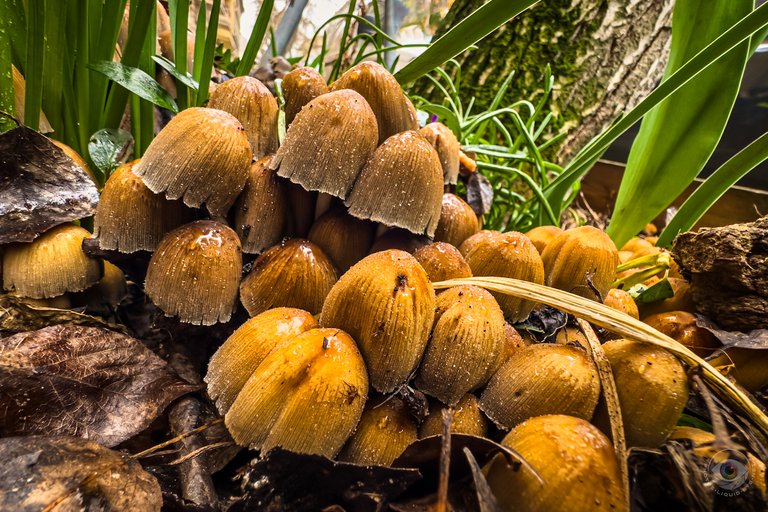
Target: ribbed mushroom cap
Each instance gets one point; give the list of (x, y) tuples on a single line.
[(621, 300), (301, 86), (394, 111), (447, 146), (236, 360), (345, 239), (442, 261), (400, 239), (262, 211), (51, 265), (253, 105), (387, 304), (195, 273), (328, 143), (295, 273), (476, 239), (466, 344), (302, 209), (385, 430), (542, 235), (201, 156), (401, 185), (457, 221), (542, 379), (509, 254), (75, 156), (306, 396), (467, 419), (574, 459), (130, 217)]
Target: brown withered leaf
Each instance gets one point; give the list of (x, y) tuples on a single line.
[(479, 193), (18, 315), (73, 475), (40, 186), (82, 381)]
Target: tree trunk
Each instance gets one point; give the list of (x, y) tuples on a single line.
[(605, 55)]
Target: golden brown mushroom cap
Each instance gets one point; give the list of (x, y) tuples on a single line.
[(447, 146), (201, 156), (442, 261), (301, 86), (345, 239), (51, 265), (401, 185), (253, 105), (467, 419), (457, 221), (328, 143), (195, 273)]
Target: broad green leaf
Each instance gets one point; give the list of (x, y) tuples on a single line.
[(169, 66), (257, 37), (108, 148), (33, 68), (470, 30), (646, 294), (714, 187), (678, 136), (137, 82)]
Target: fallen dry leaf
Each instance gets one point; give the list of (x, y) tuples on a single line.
[(40, 186), (82, 381), (17, 314), (71, 474)]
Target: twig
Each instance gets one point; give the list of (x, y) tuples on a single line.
[(200, 451), (445, 462), (153, 449), (722, 437)]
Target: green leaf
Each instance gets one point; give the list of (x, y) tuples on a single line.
[(16, 25), (470, 30), (714, 187), (170, 67), (179, 14), (108, 149), (7, 99), (557, 190), (678, 136), (33, 98), (647, 294), (206, 66), (137, 82), (257, 37)]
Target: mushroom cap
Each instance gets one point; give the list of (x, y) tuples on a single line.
[(262, 211), (306, 396), (447, 145), (442, 261), (542, 235), (467, 418), (401, 185), (201, 156), (300, 86), (387, 304), (345, 239), (130, 217), (400, 239), (75, 156), (295, 273), (394, 111), (195, 273), (51, 265), (253, 105), (457, 221), (328, 143)]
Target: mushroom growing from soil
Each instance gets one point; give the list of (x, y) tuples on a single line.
[(444, 141), (457, 221), (202, 156), (301, 86), (345, 239), (467, 418), (195, 273), (442, 261)]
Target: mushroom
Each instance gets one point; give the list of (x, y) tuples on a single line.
[(442, 261), (301, 86), (345, 239), (457, 221), (467, 419), (447, 145)]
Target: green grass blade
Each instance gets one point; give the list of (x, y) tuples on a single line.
[(256, 39), (756, 21), (56, 59), (470, 30), (83, 79), (343, 45), (678, 136), (206, 67), (7, 98), (179, 14), (16, 25), (136, 81), (146, 119), (170, 67), (197, 60), (104, 28), (714, 187), (33, 99)]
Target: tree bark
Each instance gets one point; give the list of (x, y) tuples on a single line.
[(605, 55)]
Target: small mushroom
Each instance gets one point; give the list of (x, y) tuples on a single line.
[(467, 419), (195, 273), (253, 105), (301, 86), (401, 185), (345, 239), (448, 148), (542, 235), (457, 221), (328, 143), (201, 156), (442, 261)]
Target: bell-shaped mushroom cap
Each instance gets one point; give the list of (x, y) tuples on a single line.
[(457, 221), (130, 217), (301, 86), (447, 146), (394, 111), (328, 143), (195, 273), (51, 265), (202, 156), (254, 106), (345, 239), (402, 185), (261, 211)]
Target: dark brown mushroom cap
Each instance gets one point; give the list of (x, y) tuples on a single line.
[(202, 156), (261, 211), (447, 146), (195, 273), (328, 143), (130, 217), (345, 239), (301, 86), (400, 239), (394, 111), (401, 185), (253, 105)]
